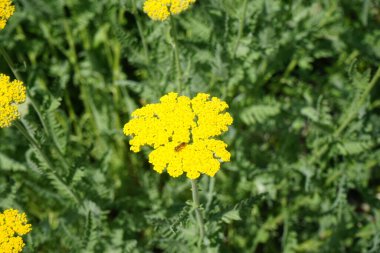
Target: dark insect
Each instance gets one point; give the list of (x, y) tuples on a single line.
[(180, 147)]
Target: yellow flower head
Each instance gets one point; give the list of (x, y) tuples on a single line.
[(180, 130), (161, 9), (6, 11), (11, 94), (12, 225)]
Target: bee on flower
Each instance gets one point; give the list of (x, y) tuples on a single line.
[(12, 226), (162, 9), (11, 94), (181, 131), (6, 11)]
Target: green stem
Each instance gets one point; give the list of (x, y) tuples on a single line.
[(24, 130), (353, 113), (198, 214), (241, 27), (140, 30), (176, 54), (72, 115), (291, 66), (210, 193), (71, 54)]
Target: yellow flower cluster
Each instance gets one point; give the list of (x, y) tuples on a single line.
[(180, 130), (12, 226), (6, 11), (11, 93), (162, 9)]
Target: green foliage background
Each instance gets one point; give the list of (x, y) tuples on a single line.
[(301, 79)]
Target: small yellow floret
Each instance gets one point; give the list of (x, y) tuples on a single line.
[(6, 11), (12, 226), (180, 130), (11, 94), (162, 9)]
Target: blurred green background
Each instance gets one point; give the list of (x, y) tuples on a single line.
[(301, 79)]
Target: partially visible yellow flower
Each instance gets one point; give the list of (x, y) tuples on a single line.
[(12, 226), (6, 11), (161, 9), (11, 94), (180, 130)]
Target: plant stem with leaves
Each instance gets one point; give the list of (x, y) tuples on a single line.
[(353, 110), (24, 130), (241, 27), (197, 210)]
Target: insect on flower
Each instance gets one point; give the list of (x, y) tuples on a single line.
[(180, 147)]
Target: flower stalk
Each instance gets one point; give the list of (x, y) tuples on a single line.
[(173, 33), (198, 215), (141, 33), (241, 27)]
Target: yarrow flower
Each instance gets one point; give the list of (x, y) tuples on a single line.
[(12, 226), (162, 9), (11, 94), (180, 130), (6, 11)]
